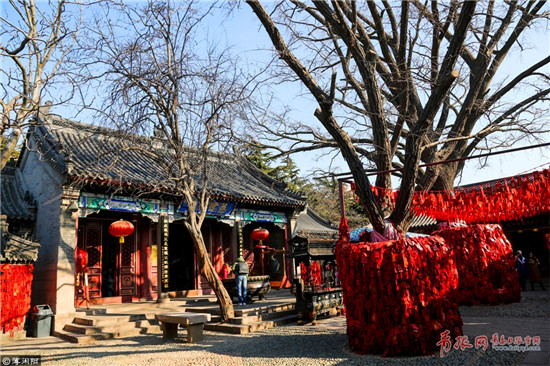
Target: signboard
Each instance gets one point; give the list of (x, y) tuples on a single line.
[(164, 264), (90, 203), (214, 208), (262, 216)]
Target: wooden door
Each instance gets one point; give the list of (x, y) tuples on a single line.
[(93, 245), (127, 266)]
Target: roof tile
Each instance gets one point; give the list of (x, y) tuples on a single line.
[(95, 153)]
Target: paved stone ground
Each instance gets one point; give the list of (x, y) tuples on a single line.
[(323, 344)]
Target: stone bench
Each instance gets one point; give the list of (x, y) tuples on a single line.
[(194, 323)]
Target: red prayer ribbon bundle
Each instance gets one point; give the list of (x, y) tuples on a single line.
[(15, 295), (399, 295), (311, 275), (509, 199), (485, 262)]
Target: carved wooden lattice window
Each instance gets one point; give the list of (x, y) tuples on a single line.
[(93, 244), (127, 254)]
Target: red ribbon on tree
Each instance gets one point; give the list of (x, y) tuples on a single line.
[(485, 261), (509, 199), (399, 295)]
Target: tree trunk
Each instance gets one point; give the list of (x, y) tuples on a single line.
[(446, 178), (207, 270)]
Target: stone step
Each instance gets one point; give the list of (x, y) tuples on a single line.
[(99, 320), (205, 309), (285, 319), (233, 328), (87, 338), (242, 312), (227, 328), (249, 319), (175, 305), (279, 314), (265, 310), (115, 327), (215, 318), (245, 319)]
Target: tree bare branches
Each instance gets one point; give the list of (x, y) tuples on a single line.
[(35, 40), (163, 79), (410, 82)]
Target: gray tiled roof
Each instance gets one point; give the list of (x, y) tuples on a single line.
[(18, 250), (15, 202), (312, 226), (106, 156)]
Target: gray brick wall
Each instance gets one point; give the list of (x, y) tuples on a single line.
[(54, 270)]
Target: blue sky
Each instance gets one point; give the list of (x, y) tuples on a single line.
[(242, 30)]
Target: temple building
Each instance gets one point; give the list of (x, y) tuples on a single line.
[(80, 189)]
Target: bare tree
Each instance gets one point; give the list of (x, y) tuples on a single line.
[(164, 80), (398, 84), (35, 41)]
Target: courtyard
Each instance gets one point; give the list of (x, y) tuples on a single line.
[(293, 344)]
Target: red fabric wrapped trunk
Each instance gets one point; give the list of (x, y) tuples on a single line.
[(399, 295), (485, 261)]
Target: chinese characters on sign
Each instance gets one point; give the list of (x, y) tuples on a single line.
[(240, 238), (498, 343), (164, 252)]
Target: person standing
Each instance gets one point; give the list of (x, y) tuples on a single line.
[(522, 268), (534, 273), (240, 268)]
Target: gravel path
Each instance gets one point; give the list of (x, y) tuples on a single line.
[(287, 345), (533, 304), (323, 344)]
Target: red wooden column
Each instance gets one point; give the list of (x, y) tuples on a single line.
[(93, 244), (145, 279), (285, 282)]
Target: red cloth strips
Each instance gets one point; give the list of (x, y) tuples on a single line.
[(399, 295), (311, 275), (485, 262), (15, 295), (510, 199)]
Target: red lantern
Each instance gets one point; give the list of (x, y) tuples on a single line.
[(260, 234), (121, 229)]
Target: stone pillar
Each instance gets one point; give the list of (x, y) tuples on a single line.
[(68, 226)]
